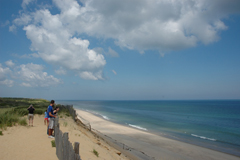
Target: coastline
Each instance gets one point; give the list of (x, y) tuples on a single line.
[(143, 144)]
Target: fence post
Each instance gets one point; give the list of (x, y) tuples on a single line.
[(76, 147), (65, 146)]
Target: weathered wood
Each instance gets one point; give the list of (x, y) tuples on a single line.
[(76, 147), (65, 146), (60, 150), (65, 149)]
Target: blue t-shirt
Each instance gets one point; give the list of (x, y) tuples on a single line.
[(50, 109), (46, 115)]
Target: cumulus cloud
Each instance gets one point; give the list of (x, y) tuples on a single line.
[(9, 63), (29, 75), (33, 75), (4, 74), (60, 71), (163, 25), (25, 3)]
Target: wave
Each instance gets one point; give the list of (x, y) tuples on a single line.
[(98, 114), (202, 137), (105, 117), (138, 127)]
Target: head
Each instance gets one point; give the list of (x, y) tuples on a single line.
[(31, 106), (52, 102)]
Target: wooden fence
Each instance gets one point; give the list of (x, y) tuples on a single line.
[(64, 148), (84, 123), (71, 110)]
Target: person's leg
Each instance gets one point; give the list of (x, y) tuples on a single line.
[(28, 119), (51, 124)]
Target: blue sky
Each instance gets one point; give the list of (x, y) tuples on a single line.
[(120, 50)]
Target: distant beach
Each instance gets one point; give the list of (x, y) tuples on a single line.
[(155, 146)]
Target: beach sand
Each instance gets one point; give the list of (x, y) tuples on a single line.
[(25, 143), (156, 147)]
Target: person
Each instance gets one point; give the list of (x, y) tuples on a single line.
[(51, 117), (30, 114), (55, 113), (46, 118)]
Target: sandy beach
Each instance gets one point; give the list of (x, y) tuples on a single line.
[(156, 147), (25, 143)]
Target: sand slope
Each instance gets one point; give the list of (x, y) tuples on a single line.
[(32, 143)]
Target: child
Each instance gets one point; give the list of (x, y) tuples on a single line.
[(46, 117)]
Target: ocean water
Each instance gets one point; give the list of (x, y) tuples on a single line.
[(213, 124)]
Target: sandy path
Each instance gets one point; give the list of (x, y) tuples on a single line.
[(24, 142), (153, 145)]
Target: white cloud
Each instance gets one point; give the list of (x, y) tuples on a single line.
[(149, 24), (33, 75), (9, 63), (56, 44), (4, 73), (162, 25), (114, 72), (25, 3), (12, 28), (60, 71)]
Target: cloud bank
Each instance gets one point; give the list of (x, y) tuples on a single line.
[(163, 25)]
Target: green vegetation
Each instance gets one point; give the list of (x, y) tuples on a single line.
[(22, 122), (65, 124), (63, 112), (1, 133), (12, 109), (53, 143), (95, 152)]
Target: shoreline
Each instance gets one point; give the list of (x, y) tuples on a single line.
[(148, 144)]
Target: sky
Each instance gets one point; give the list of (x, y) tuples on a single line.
[(120, 49)]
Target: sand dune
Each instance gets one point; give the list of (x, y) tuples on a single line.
[(32, 143)]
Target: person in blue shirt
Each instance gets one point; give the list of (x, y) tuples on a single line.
[(46, 118), (51, 117)]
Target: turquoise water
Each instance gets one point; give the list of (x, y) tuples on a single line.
[(211, 124)]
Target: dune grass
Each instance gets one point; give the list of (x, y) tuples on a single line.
[(95, 152), (53, 143), (12, 110)]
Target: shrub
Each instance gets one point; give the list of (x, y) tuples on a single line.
[(8, 120), (1, 133), (95, 152), (23, 122), (53, 143)]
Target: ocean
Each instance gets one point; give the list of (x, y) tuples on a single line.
[(213, 124)]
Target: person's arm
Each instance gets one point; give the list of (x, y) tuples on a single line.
[(50, 114)]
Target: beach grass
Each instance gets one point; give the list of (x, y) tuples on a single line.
[(12, 109), (53, 143), (95, 152), (64, 113), (1, 133)]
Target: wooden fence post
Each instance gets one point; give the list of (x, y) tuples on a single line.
[(76, 147), (65, 146)]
